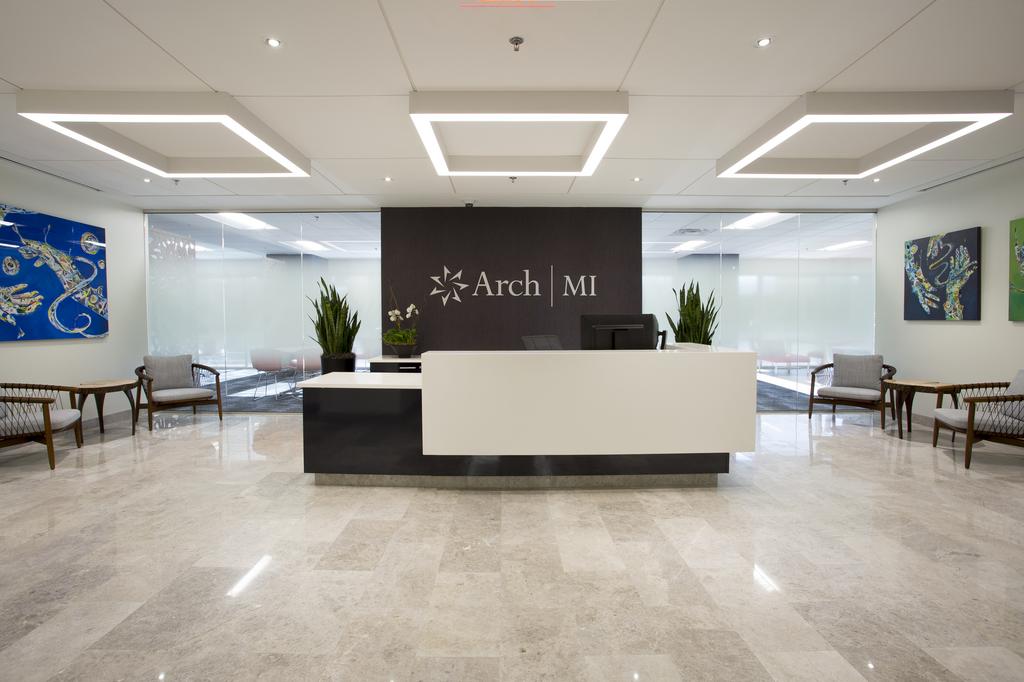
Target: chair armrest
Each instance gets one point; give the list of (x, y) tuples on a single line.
[(888, 372), (820, 368), (994, 399), (956, 388), (205, 368), (26, 401)]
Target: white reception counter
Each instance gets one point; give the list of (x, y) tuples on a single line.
[(685, 399), (546, 417)]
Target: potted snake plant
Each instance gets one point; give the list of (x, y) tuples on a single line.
[(696, 320), (335, 326)]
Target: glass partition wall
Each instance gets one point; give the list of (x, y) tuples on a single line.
[(232, 290), (794, 287)]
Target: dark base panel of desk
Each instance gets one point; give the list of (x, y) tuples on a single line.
[(379, 431)]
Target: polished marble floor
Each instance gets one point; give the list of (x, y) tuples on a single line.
[(835, 552)]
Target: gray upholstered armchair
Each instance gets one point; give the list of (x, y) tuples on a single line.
[(994, 411), (34, 412), (855, 380), (171, 381)]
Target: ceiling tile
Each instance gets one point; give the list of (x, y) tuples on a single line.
[(83, 45), (341, 127), (681, 202), (257, 203), (900, 178), (657, 176), (315, 184), (573, 45), (125, 179), (710, 185), (691, 127), (328, 47), (474, 186), (707, 48), (952, 45), (366, 176)]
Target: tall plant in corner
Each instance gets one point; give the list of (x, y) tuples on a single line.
[(696, 321), (335, 326)]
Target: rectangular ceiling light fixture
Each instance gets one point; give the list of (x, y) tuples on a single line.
[(941, 116), (83, 116), (608, 109)]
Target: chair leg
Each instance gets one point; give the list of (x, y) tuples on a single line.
[(49, 451), (833, 408), (967, 450), (138, 401), (935, 433), (78, 434), (193, 409), (892, 403), (881, 412), (810, 407), (149, 412)]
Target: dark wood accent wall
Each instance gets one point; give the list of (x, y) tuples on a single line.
[(523, 271)]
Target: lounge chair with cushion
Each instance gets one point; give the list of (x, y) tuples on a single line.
[(34, 412), (853, 380), (993, 411), (175, 381)]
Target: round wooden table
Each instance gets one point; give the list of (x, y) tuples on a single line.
[(99, 391)]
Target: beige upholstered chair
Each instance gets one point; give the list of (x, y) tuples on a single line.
[(34, 412), (994, 411), (175, 381), (854, 380)]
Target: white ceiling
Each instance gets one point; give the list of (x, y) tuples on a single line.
[(337, 90)]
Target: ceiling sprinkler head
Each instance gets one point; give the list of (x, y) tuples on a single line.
[(513, 178), (516, 41)]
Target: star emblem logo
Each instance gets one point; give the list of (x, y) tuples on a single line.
[(447, 285)]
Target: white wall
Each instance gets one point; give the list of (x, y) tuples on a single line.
[(71, 361), (989, 350)]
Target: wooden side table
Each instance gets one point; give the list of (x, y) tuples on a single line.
[(903, 391), (99, 391)]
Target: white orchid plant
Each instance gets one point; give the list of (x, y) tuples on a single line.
[(403, 330)]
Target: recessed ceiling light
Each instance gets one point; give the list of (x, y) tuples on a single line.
[(755, 221), (842, 246), (763, 42), (307, 245), (636, 179), (239, 221), (691, 245), (146, 180), (877, 180), (273, 42), (387, 178)]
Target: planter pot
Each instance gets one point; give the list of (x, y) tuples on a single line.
[(404, 350), (346, 362)]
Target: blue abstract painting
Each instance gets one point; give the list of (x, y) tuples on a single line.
[(53, 277)]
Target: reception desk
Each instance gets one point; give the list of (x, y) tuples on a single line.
[(677, 413)]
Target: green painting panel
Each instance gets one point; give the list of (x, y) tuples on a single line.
[(1017, 270)]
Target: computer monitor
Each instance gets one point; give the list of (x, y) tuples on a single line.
[(618, 332)]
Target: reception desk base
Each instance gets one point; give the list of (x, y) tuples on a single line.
[(375, 437)]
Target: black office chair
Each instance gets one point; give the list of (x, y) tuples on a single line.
[(542, 342)]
